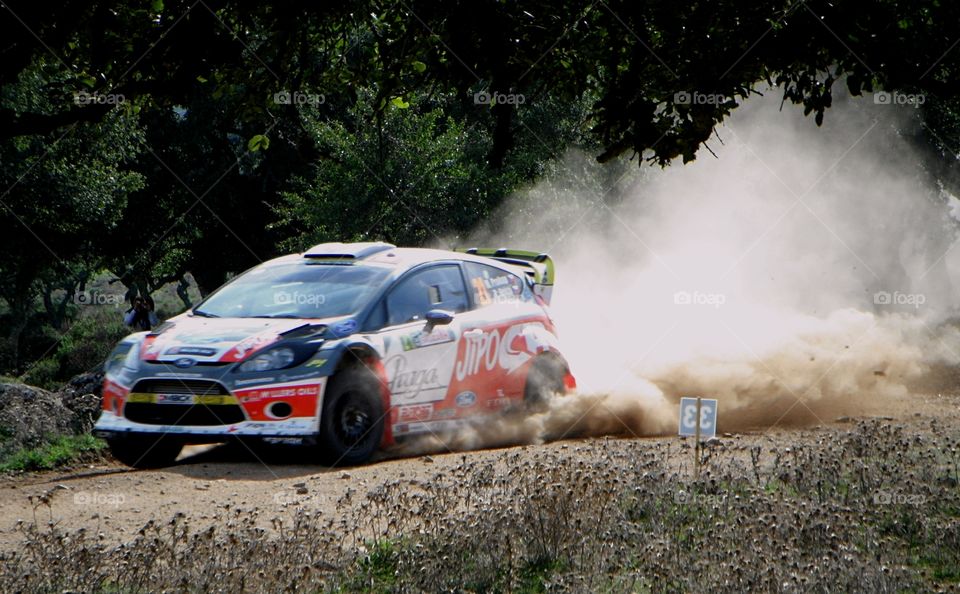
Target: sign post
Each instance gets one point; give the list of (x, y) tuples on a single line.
[(698, 419)]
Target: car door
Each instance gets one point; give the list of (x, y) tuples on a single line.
[(419, 360), (499, 339)]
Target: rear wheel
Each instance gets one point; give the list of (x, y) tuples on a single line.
[(145, 451), (544, 380), (351, 427)]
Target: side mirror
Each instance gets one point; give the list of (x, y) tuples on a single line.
[(437, 317)]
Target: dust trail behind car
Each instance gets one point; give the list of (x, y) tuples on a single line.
[(803, 274)]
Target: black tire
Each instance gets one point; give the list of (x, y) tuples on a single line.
[(145, 451), (543, 381), (351, 426)]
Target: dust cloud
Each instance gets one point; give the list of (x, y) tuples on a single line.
[(802, 274)]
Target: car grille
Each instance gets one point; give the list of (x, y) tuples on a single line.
[(178, 386), (182, 414)]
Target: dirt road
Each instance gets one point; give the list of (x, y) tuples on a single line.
[(210, 480)]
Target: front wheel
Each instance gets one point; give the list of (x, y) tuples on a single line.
[(351, 427), (145, 451)]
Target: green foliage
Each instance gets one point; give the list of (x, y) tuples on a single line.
[(61, 451), (84, 347), (412, 175), (634, 56), (376, 572)]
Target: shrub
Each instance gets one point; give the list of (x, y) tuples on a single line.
[(84, 347)]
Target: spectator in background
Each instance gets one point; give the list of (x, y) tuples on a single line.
[(141, 315)]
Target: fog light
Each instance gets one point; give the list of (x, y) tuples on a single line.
[(279, 410)]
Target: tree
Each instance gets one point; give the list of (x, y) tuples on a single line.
[(642, 60), (64, 192), (414, 173)]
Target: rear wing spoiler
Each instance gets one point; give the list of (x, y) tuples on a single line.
[(538, 267)]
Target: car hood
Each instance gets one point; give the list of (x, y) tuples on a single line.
[(222, 340)]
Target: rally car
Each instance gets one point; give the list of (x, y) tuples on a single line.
[(345, 347)]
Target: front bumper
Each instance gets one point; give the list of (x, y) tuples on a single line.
[(111, 426), (207, 410)]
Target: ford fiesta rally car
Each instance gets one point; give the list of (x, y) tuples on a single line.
[(349, 347)]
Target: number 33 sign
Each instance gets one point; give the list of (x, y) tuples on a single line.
[(708, 417)]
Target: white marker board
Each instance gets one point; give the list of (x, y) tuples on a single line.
[(708, 417)]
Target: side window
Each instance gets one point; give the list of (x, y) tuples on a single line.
[(437, 287), (490, 285)]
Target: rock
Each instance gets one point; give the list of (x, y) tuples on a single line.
[(29, 416), (83, 396)]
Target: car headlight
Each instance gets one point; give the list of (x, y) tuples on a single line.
[(269, 360)]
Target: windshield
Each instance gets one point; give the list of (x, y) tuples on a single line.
[(295, 290)]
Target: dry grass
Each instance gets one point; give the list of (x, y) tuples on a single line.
[(872, 509)]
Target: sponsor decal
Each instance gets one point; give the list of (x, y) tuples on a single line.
[(249, 345), (233, 339), (207, 400), (443, 426), (184, 362), (487, 350), (284, 440), (496, 403), (466, 399), (503, 288), (299, 376), (205, 338), (316, 362), (415, 412), (285, 392), (408, 384), (192, 350), (256, 380), (258, 425), (421, 339), (344, 328)]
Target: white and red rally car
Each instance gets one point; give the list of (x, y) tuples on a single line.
[(350, 347)]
